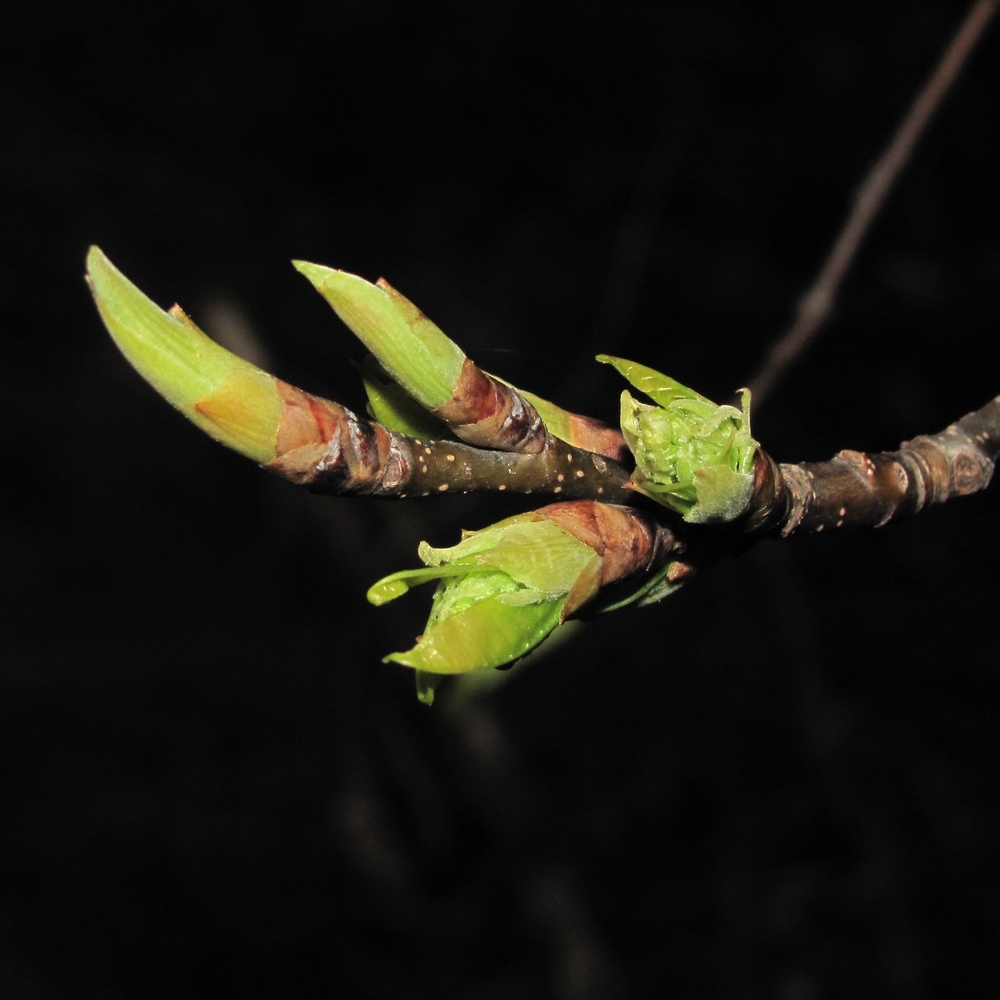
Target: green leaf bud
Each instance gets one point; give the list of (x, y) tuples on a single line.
[(393, 408), (502, 590), (691, 455), (230, 399), (417, 355)]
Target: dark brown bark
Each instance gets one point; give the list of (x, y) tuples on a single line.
[(330, 449), (854, 489)]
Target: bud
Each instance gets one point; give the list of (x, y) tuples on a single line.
[(505, 588), (393, 408), (691, 455), (230, 399), (502, 590), (416, 354)]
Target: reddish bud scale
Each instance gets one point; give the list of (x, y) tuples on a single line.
[(627, 540), (322, 441), (488, 414), (596, 436)]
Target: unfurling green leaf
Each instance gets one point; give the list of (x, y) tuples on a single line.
[(502, 590), (691, 455)]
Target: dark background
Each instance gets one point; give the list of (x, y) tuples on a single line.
[(781, 782)]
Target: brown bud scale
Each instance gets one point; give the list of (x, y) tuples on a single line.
[(488, 414)]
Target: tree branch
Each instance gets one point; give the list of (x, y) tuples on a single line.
[(434, 372), (329, 449), (854, 489), (814, 307), (502, 590)]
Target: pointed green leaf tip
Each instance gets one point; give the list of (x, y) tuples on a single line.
[(411, 348), (690, 454), (228, 398), (502, 590)]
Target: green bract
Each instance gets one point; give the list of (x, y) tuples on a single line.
[(691, 455), (502, 590)]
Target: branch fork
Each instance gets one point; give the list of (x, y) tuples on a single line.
[(636, 514)]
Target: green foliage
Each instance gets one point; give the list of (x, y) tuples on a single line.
[(691, 455), (502, 590)]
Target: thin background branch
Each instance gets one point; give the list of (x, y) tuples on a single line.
[(815, 306)]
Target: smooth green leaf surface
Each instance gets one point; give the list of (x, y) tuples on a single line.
[(488, 633), (417, 355), (230, 399), (393, 408)]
